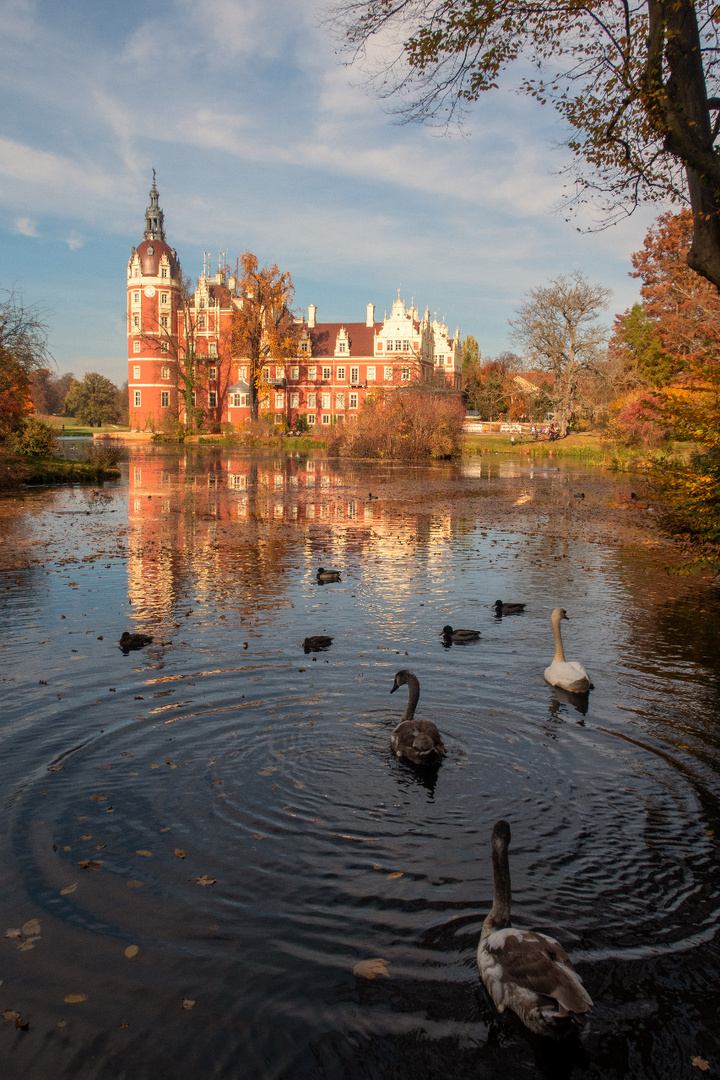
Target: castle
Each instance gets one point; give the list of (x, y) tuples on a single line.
[(337, 364)]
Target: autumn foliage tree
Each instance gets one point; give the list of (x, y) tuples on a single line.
[(264, 330), (23, 350), (684, 314), (637, 81)]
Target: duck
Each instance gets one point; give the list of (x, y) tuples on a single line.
[(317, 642), (458, 637), (508, 609), (130, 641), (324, 576), (567, 674), (525, 971), (418, 741)]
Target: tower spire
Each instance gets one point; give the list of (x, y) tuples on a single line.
[(154, 217)]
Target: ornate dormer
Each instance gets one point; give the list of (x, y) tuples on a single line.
[(342, 343), (154, 217)]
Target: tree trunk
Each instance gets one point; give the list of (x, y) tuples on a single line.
[(681, 107)]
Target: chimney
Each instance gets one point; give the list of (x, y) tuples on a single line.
[(370, 320), (312, 312)]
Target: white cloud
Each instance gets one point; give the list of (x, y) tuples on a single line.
[(74, 242), (25, 226)]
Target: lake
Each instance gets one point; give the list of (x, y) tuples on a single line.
[(202, 838)]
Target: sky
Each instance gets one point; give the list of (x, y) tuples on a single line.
[(264, 139)]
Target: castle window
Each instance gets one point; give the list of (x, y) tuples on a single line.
[(354, 375), (165, 373), (136, 298), (136, 321), (371, 373), (279, 400), (136, 399), (242, 372), (406, 373), (212, 373), (136, 371), (164, 271), (341, 374), (294, 401), (339, 401), (388, 374), (295, 373), (342, 346), (163, 298), (303, 346), (327, 373), (212, 399), (164, 398), (164, 346), (163, 320), (193, 397), (212, 348), (201, 322), (325, 401), (353, 401), (312, 373), (311, 401), (136, 346), (325, 418), (311, 419), (137, 270), (406, 346)]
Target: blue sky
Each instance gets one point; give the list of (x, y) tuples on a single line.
[(263, 140)]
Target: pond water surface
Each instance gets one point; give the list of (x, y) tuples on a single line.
[(201, 840)]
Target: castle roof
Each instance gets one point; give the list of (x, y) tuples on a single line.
[(361, 338)]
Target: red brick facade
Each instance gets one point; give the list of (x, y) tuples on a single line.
[(337, 364)]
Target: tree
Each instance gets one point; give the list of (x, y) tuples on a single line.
[(470, 351), (486, 387), (557, 326), (684, 312), (93, 401), (23, 351), (264, 330), (637, 81)]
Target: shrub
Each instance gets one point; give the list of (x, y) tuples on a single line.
[(32, 437), (410, 424)]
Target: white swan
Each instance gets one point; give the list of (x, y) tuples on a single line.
[(567, 674), (524, 971)]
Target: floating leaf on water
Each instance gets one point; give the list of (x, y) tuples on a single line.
[(187, 1003), (31, 927), (85, 836), (13, 1017), (700, 1063), (90, 864), (180, 853), (69, 889), (143, 851), (132, 950), (55, 768), (74, 999), (203, 880), (268, 772), (155, 765), (370, 968), (134, 884), (13, 934), (99, 798), (395, 874)]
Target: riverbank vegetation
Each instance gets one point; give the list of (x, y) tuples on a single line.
[(413, 424)]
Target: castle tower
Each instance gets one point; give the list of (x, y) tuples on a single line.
[(154, 281)]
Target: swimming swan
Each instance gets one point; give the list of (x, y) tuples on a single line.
[(524, 971), (417, 741), (567, 674)]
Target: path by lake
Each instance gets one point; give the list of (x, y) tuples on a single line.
[(202, 839)]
